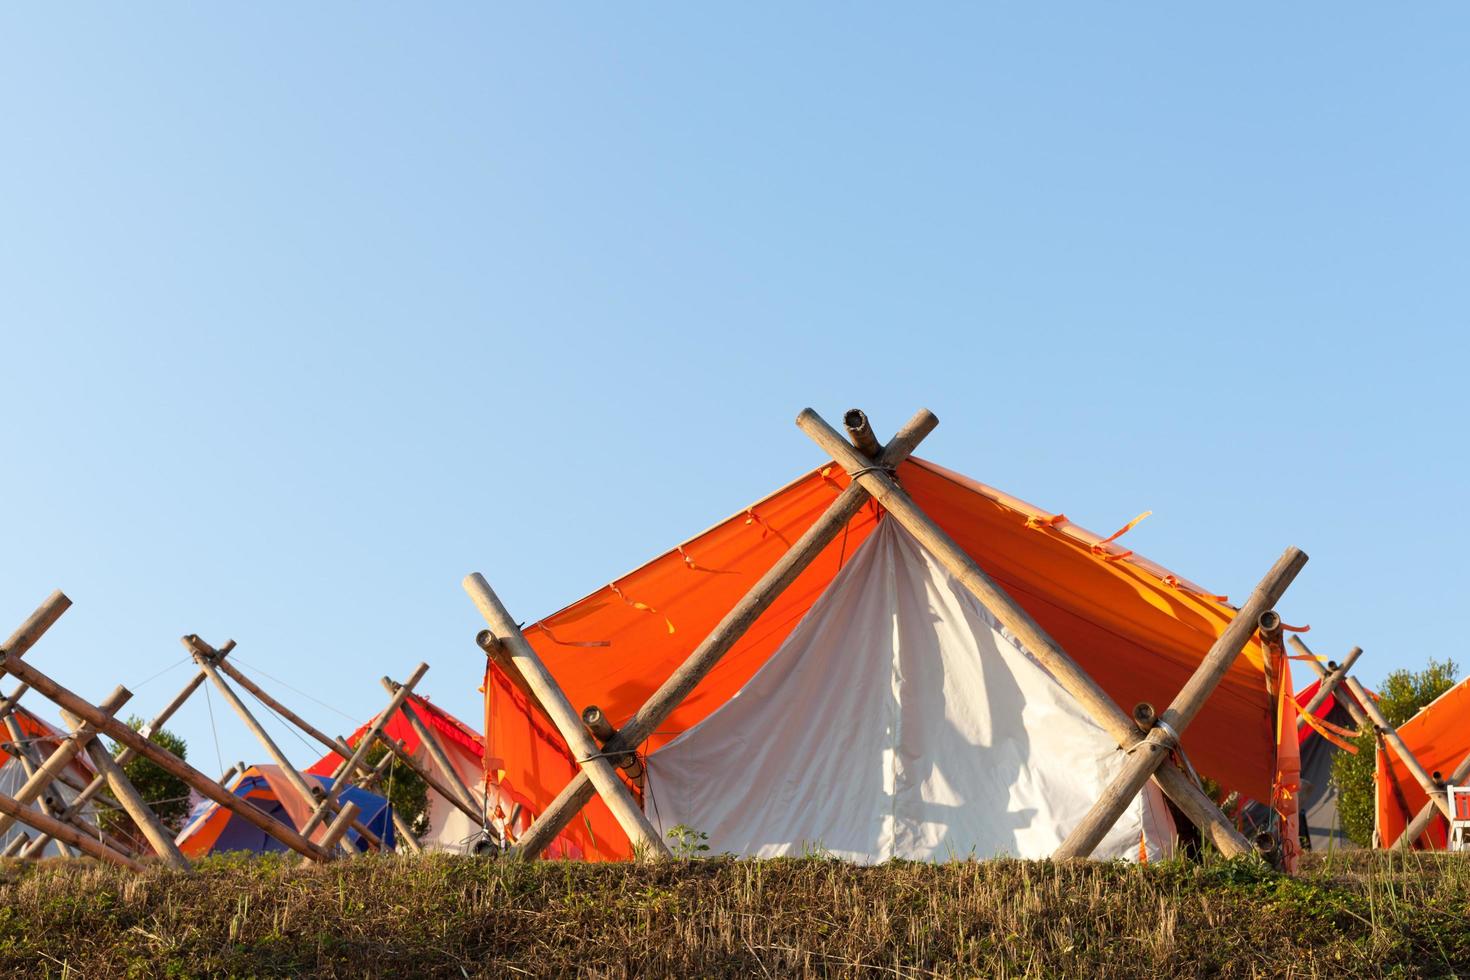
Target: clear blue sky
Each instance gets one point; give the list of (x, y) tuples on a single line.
[(309, 311)]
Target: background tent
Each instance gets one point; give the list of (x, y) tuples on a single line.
[(1136, 628), (450, 829), (212, 828), (1439, 737), (45, 738)]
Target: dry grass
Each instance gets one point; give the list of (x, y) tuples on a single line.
[(1365, 915)]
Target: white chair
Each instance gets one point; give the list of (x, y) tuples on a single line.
[(1459, 800)]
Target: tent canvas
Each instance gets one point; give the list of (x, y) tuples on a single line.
[(213, 829), (1137, 629), (898, 720), (1439, 737), (45, 737)]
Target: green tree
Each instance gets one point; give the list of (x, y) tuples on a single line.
[(1400, 697), (405, 790), (166, 795)]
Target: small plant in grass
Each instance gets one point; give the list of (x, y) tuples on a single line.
[(686, 843)]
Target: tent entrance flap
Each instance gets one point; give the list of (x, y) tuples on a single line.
[(898, 720)]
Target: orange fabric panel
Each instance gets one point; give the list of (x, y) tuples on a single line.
[(614, 648), (1138, 630), (1439, 737)]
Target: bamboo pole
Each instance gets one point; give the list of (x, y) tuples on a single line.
[(127, 755), (1147, 756), (62, 757), (63, 832), (1391, 736), (36, 625), (723, 637), (860, 433), (433, 748), (1359, 717), (585, 750), (9, 702), (312, 797), (1198, 807), (337, 829), (1329, 684), (131, 800), (355, 760), (1416, 827), (170, 763)]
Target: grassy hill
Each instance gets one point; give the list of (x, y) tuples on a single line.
[(1352, 915)]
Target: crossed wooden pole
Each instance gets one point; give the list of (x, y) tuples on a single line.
[(83, 711), (872, 476)]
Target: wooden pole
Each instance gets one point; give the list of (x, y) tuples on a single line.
[(61, 757), (725, 635), (1358, 715), (1391, 736), (1427, 812), (203, 656), (1198, 807), (17, 842), (434, 749), (77, 805), (63, 832), (131, 800), (585, 750), (8, 703), (165, 760), (36, 625), (337, 829), (1328, 685), (1147, 756)]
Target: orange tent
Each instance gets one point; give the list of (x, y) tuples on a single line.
[(1137, 629), (1439, 738)]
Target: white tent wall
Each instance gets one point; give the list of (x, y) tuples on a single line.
[(450, 829), (898, 720), (12, 778)]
